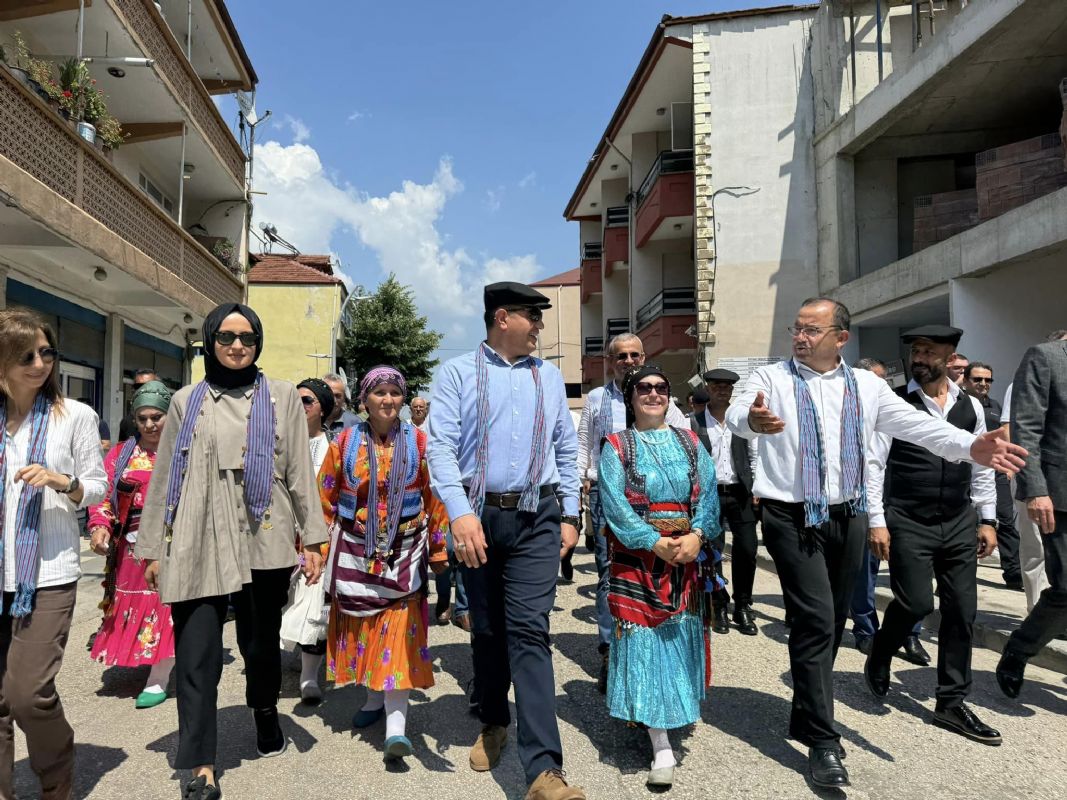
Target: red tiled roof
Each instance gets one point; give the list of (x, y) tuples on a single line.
[(571, 277), (286, 268)]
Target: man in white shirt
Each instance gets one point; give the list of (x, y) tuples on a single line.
[(928, 529), (815, 418), (604, 414), (420, 411), (733, 457)]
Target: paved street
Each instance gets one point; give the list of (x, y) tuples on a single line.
[(738, 750)]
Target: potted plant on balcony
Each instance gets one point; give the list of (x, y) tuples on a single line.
[(22, 56), (109, 133), (223, 250), (80, 97)]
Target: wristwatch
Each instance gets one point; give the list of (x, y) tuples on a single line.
[(992, 523), (72, 486), (569, 519)]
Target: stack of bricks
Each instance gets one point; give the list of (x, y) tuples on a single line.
[(1015, 174), (939, 216), (1063, 122)]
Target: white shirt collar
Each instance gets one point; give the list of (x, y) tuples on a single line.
[(810, 371), (953, 389)]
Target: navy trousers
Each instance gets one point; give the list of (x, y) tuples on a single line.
[(510, 598)]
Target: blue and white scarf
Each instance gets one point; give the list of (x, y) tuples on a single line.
[(27, 531), (123, 461), (605, 422), (259, 456), (812, 458)]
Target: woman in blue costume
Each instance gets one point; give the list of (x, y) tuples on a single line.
[(658, 488)]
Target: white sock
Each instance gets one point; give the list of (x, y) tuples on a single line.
[(662, 754), (309, 668), (159, 676), (375, 700), (396, 712)]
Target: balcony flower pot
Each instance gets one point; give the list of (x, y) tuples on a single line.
[(87, 132)]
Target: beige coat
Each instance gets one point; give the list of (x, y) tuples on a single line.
[(213, 546)]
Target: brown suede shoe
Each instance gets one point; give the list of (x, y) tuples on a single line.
[(549, 785), (486, 751)]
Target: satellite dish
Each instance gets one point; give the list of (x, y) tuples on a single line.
[(247, 102)]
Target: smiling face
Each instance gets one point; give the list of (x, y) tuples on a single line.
[(33, 368), (649, 398), (979, 382), (383, 404), (237, 355), (516, 331), (150, 422)]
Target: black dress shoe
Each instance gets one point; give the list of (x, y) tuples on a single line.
[(964, 721), (877, 677), (863, 644), (1015, 586), (825, 767), (1010, 674), (602, 678), (722, 621), (199, 789), (743, 621), (914, 652)]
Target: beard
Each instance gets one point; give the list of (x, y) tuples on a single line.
[(924, 373)]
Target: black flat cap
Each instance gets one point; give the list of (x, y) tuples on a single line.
[(509, 293), (941, 334), (724, 375), (701, 396)]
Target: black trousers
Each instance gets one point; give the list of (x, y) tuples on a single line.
[(735, 510), (198, 658), (510, 598), (921, 551), (1049, 617), (818, 574), (1007, 531)]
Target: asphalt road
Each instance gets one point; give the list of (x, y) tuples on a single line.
[(738, 750)]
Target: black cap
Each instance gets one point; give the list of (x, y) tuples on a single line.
[(724, 375), (701, 396), (941, 334), (508, 293)]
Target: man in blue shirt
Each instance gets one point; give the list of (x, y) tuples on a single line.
[(502, 459)]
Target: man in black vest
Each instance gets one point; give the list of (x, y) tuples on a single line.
[(733, 469), (930, 530)]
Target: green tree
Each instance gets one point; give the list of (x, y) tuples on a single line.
[(387, 329)]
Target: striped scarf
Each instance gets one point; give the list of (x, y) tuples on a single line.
[(405, 453), (531, 492), (28, 518), (605, 425), (123, 461), (259, 457), (812, 460)]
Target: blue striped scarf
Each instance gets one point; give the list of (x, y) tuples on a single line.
[(405, 456), (259, 456), (812, 460), (531, 492), (27, 531), (605, 417), (123, 461)]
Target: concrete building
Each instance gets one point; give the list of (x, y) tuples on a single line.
[(123, 250), (298, 298), (697, 209), (940, 171), (560, 341)]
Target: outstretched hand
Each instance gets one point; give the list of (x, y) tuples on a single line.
[(761, 419), (992, 449)]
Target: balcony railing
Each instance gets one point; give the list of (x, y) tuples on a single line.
[(36, 139), (668, 162), (665, 303), (158, 43), (616, 326), (593, 346), (592, 251), (617, 217)]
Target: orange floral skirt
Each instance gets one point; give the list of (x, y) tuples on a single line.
[(385, 652)]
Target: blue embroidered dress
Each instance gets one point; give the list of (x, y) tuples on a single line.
[(656, 675)]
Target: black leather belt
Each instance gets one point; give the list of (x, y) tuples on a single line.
[(511, 499), (726, 488)]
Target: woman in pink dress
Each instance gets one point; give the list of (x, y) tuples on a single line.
[(137, 629)]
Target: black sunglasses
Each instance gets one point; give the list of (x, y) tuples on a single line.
[(623, 356), (532, 314), (308, 401), (48, 356), (981, 380), (644, 388), (226, 338)]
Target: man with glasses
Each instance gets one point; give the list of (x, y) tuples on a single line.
[(604, 414), (815, 418), (977, 382)]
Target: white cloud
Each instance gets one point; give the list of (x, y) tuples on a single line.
[(301, 132), (494, 199), (312, 210), (357, 115), (528, 180)]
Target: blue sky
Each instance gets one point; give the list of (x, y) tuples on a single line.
[(439, 141)]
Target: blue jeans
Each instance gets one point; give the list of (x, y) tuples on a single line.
[(444, 583), (604, 622), (864, 613)]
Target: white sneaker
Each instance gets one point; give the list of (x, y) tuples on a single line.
[(310, 693)]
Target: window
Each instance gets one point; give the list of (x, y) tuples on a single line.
[(155, 193)]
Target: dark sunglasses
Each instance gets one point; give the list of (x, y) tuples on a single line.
[(308, 401), (624, 356), (532, 314), (226, 338), (643, 388), (981, 380), (48, 356)]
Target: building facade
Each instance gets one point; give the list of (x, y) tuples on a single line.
[(560, 341), (124, 249)]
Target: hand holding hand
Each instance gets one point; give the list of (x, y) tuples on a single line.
[(992, 449), (468, 540), (761, 419), (688, 548), (667, 548), (878, 539)]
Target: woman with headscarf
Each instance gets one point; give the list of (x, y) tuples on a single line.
[(137, 629), (392, 528), (50, 468), (305, 619), (231, 491), (661, 503)]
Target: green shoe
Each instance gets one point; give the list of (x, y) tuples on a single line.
[(150, 699)]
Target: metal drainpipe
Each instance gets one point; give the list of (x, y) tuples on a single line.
[(878, 35), (181, 177), (81, 26), (189, 34)]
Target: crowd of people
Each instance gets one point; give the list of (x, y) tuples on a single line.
[(317, 528)]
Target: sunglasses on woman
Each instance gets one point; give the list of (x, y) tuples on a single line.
[(645, 389), (226, 338), (47, 355), (307, 400)]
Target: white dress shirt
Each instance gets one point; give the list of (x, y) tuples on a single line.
[(721, 450), (983, 484), (778, 474), (1005, 411), (589, 433), (73, 448)]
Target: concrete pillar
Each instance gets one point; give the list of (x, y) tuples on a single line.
[(112, 406)]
